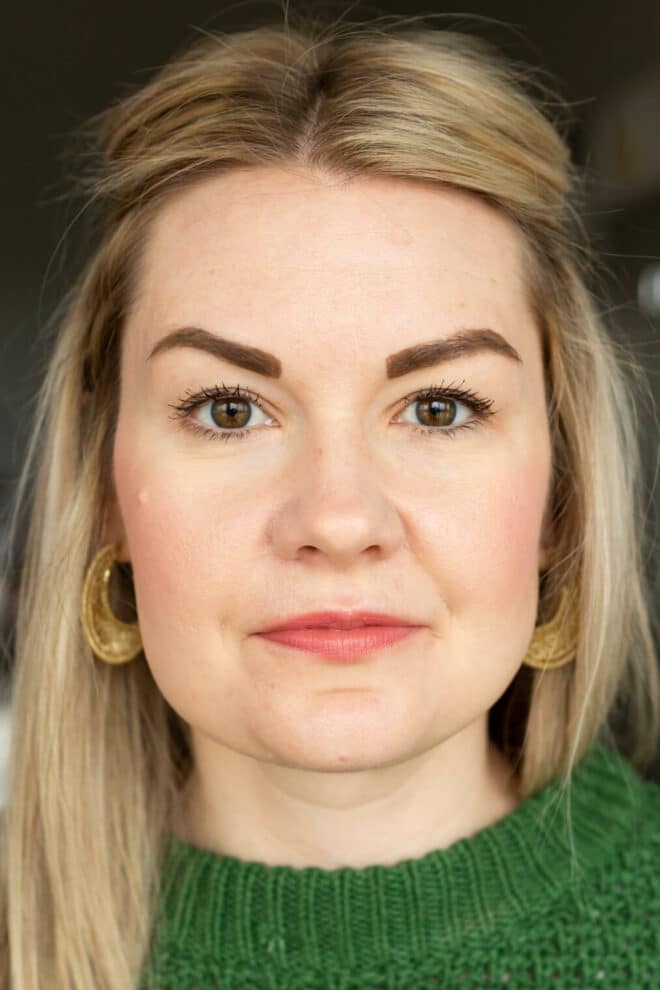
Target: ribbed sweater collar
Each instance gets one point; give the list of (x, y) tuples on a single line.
[(244, 911)]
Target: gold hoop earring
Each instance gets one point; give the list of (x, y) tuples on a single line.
[(555, 642), (111, 639)]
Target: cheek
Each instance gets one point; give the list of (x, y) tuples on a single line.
[(186, 573), (487, 542), (486, 569), (513, 515), (184, 541)]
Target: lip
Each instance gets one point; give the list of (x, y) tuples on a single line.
[(340, 645), (340, 636), (338, 620)]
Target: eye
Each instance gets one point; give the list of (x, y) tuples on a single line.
[(222, 413), (439, 409), (225, 413)]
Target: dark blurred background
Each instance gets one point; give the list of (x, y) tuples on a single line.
[(64, 62)]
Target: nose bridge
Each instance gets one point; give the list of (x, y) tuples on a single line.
[(338, 451), (336, 503)]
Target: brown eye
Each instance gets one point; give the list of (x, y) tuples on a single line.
[(436, 412), (230, 412), (444, 410)]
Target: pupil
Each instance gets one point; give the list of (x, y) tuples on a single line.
[(441, 410), (231, 412)]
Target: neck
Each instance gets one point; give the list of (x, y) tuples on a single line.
[(282, 815)]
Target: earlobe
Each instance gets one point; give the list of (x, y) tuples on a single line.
[(548, 547), (546, 556), (112, 530)]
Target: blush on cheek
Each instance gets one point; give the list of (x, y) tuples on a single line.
[(147, 538), (520, 526), (163, 557), (512, 512)]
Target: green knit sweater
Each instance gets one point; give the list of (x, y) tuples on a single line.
[(522, 903)]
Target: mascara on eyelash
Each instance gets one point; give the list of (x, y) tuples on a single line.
[(478, 404), (452, 391), (193, 400)]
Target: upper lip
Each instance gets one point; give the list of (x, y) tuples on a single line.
[(338, 620)]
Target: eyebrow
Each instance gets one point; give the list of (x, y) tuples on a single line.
[(464, 342)]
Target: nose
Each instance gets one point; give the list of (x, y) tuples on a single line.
[(337, 509)]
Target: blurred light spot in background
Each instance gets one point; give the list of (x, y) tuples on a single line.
[(648, 290)]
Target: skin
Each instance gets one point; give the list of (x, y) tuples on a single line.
[(337, 503)]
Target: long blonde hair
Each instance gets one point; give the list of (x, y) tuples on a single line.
[(98, 756)]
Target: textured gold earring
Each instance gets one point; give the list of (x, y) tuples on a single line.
[(555, 642), (111, 639), (552, 646)]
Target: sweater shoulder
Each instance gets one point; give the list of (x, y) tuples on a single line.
[(623, 819), (625, 800)]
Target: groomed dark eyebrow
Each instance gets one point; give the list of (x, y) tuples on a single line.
[(432, 352), (471, 341), (229, 350)]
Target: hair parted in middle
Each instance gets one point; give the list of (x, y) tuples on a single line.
[(92, 795)]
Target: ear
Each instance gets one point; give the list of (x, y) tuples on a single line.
[(111, 523), (548, 542), (112, 528)]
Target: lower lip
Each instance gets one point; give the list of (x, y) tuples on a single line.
[(341, 644)]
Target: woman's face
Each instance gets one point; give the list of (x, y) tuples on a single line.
[(332, 498)]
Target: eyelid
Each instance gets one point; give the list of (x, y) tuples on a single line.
[(479, 406), (454, 389)]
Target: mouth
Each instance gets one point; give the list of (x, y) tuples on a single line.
[(341, 645), (345, 620)]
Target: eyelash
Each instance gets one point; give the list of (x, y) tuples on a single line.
[(480, 407)]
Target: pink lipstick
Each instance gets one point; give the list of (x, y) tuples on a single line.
[(340, 636)]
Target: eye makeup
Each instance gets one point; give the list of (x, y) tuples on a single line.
[(432, 397)]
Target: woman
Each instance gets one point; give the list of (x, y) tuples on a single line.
[(354, 254)]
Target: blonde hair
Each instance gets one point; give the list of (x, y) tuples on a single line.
[(99, 756)]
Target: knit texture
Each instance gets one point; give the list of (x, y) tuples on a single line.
[(522, 903)]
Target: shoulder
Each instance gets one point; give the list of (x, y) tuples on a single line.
[(600, 922), (615, 806), (616, 823)]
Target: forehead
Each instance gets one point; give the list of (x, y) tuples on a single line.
[(272, 248)]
